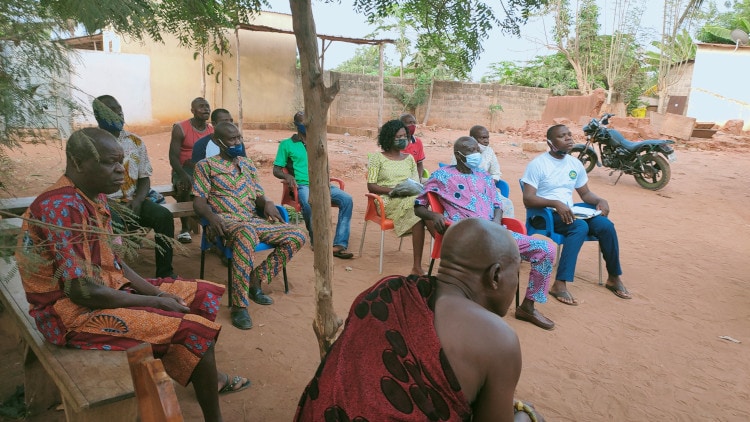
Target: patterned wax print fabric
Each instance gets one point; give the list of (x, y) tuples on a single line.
[(136, 163), (462, 195), (388, 173), (231, 188), (387, 364), (474, 195), (50, 258)]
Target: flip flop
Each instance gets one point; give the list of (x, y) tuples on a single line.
[(184, 237), (229, 386), (564, 297), (619, 291)]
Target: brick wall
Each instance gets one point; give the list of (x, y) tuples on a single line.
[(455, 105)]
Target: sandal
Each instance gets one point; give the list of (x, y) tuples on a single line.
[(343, 254), (231, 384), (184, 237)]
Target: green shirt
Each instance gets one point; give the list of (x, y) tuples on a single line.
[(297, 154)]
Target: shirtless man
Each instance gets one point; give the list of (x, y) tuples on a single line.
[(419, 348)]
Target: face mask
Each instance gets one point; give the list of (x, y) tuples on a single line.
[(410, 129), (111, 125), (301, 128), (400, 143), (235, 150), (473, 160), (555, 151), (482, 148)]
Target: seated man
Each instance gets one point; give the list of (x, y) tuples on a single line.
[(489, 163), (84, 296), (292, 156), (417, 348), (464, 193), (228, 195), (134, 191), (549, 181), (205, 146)]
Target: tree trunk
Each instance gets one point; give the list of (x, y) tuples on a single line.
[(203, 72), (429, 103), (317, 99)]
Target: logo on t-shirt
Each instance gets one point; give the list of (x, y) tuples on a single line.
[(572, 175)]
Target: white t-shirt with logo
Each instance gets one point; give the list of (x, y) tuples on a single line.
[(555, 179)]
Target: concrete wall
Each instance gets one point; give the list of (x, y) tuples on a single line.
[(455, 105), (124, 76), (719, 89), (267, 63)]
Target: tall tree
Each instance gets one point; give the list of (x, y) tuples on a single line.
[(575, 34)]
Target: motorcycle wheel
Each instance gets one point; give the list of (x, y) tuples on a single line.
[(655, 174), (586, 157)]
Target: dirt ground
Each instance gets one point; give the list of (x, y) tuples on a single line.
[(658, 356)]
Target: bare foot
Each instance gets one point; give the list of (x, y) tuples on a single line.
[(417, 271)]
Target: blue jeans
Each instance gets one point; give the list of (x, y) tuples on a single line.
[(339, 199), (576, 233)]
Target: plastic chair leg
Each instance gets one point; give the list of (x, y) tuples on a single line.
[(382, 239), (203, 259), (599, 253), (362, 239), (286, 281)]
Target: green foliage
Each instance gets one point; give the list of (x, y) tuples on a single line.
[(366, 61), (410, 99), (676, 50), (451, 32), (553, 72), (718, 27)]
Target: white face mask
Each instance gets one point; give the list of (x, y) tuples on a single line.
[(482, 148)]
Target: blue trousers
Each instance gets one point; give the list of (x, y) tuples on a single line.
[(340, 199), (576, 233)]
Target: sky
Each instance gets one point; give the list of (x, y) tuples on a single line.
[(340, 19)]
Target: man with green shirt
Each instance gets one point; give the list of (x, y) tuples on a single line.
[(292, 156)]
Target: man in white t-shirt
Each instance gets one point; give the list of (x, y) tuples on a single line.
[(549, 181)]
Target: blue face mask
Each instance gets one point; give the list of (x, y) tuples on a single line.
[(235, 150), (472, 160), (111, 125), (301, 128)]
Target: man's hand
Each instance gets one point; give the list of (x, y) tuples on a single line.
[(272, 213), (291, 180), (566, 214), (441, 224), (217, 227), (603, 206), (184, 183)]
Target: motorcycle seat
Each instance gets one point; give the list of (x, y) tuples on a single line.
[(619, 140)]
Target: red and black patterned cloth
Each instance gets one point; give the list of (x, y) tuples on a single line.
[(388, 363)]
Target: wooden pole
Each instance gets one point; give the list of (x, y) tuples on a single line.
[(317, 98), (239, 84), (380, 86)]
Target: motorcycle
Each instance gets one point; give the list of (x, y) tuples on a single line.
[(648, 161)]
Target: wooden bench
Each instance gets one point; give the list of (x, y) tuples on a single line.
[(19, 205), (93, 385)]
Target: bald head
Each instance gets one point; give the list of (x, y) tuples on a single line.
[(476, 243), (464, 143), (94, 161)]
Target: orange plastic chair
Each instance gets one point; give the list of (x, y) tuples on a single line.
[(289, 195), (375, 204)]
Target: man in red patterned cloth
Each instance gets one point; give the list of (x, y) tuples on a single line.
[(417, 348)]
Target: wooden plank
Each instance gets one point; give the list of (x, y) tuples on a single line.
[(157, 400), (166, 190), (180, 209), (86, 378), (16, 206), (679, 127), (11, 225)]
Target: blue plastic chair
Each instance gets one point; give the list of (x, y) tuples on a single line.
[(227, 251), (502, 185), (549, 230)]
